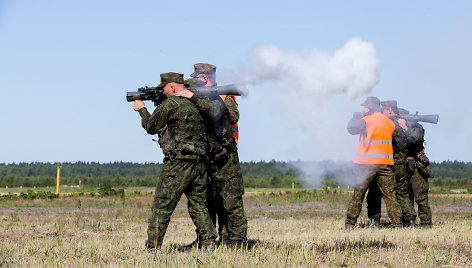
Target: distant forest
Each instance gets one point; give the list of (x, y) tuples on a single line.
[(272, 174)]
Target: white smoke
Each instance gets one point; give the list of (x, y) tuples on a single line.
[(304, 82), (352, 70)]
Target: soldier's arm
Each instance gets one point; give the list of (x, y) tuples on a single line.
[(210, 109), (233, 110), (152, 123), (356, 125)]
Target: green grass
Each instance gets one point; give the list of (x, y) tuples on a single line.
[(302, 228)]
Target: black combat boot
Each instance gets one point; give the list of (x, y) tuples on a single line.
[(152, 248), (237, 244), (208, 245), (188, 247), (376, 223), (410, 224), (425, 225)]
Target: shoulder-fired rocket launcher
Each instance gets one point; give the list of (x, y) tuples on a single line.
[(430, 118), (156, 94)]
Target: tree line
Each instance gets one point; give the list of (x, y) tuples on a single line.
[(262, 174)]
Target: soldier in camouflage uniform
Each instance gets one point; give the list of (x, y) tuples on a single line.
[(420, 171), (370, 124), (181, 130), (226, 187), (400, 154)]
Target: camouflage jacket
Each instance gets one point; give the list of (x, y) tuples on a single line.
[(233, 110), (180, 126), (415, 138), (400, 142), (218, 119), (357, 125)]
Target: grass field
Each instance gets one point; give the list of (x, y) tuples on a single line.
[(286, 229)]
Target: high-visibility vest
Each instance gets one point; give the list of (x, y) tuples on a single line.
[(376, 148), (234, 127)]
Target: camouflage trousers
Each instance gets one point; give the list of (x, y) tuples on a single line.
[(402, 188), (225, 199), (419, 193), (180, 177), (384, 178)]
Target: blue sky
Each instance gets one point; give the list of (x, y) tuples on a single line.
[(65, 67)]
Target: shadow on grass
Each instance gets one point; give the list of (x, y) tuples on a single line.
[(354, 244), (186, 248)]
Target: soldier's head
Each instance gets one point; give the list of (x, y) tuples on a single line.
[(389, 108), (402, 111), (205, 72), (371, 105), (194, 83), (172, 83)]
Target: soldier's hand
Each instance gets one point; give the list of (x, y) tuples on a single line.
[(184, 93), (138, 105), (402, 123)]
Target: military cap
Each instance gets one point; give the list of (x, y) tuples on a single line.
[(171, 78), (402, 111), (203, 68), (371, 102), (194, 83), (389, 104)]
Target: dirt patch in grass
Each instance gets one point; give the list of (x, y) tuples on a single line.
[(294, 206)]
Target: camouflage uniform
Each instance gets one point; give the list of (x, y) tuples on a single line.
[(181, 130), (381, 176), (402, 188), (226, 187), (366, 175), (420, 171)]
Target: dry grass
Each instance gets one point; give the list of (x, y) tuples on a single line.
[(112, 231)]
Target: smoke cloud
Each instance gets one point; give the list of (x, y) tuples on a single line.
[(303, 83), (351, 70)]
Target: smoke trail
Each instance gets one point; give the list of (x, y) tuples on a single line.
[(351, 70), (304, 82)]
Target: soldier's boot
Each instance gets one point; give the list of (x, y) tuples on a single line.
[(225, 241), (410, 224), (375, 222), (152, 247), (188, 247), (208, 245), (425, 225), (348, 227), (237, 244)]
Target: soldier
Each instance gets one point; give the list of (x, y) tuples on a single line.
[(374, 160), (226, 181), (419, 170), (400, 154), (181, 130)]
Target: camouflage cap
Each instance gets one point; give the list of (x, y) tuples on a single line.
[(402, 111), (203, 68), (194, 83), (389, 104), (371, 102), (171, 78)]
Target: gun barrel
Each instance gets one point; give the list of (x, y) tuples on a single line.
[(430, 118), (220, 90), (139, 95), (132, 96)]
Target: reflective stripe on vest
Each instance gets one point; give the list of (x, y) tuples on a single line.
[(374, 142), (375, 156), (376, 148), (234, 127)]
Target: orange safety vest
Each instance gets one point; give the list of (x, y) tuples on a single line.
[(376, 148), (234, 127)]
